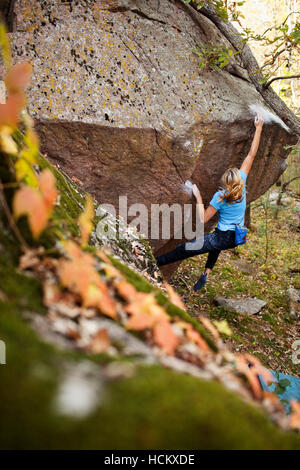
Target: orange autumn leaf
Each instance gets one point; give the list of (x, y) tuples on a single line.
[(51, 294), (140, 321), (48, 190), (98, 296), (103, 257), (195, 336), (77, 274), (164, 336), (243, 368), (143, 303), (144, 310), (100, 342), (81, 277), (18, 77), (258, 368), (295, 415), (110, 271), (209, 326), (173, 296), (73, 249), (125, 289), (28, 201), (273, 399), (9, 111), (85, 220), (91, 296), (37, 204)]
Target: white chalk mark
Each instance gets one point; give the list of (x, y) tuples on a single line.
[(267, 115), (188, 187)]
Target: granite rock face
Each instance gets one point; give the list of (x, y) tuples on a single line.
[(121, 104)]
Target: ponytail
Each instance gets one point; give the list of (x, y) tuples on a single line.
[(233, 185)]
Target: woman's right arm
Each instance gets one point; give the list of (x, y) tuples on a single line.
[(247, 163)]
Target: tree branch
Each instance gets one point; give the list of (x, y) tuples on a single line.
[(271, 62), (266, 85), (284, 186)]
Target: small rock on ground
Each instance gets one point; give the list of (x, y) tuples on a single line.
[(243, 306)]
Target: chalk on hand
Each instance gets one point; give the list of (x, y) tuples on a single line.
[(267, 115), (188, 187)]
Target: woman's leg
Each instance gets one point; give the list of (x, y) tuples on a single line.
[(211, 260), (223, 241), (185, 250), (179, 253)]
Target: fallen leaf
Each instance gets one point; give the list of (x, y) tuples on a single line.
[(223, 327), (28, 260), (164, 336), (103, 257), (173, 296), (51, 293), (140, 321), (125, 289), (209, 326), (100, 342), (243, 368)]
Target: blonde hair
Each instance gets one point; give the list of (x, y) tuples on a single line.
[(232, 184)]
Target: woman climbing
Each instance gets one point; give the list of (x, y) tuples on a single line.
[(230, 203)]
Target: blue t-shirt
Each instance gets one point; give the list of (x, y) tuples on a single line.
[(230, 213)]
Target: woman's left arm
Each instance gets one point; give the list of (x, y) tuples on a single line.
[(205, 214)]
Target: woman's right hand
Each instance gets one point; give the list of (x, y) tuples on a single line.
[(259, 121), (196, 192)]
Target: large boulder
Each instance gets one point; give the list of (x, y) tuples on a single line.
[(121, 104)]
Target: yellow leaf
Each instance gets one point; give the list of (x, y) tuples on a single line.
[(7, 144), (85, 220), (222, 327), (31, 148), (25, 172), (5, 45)]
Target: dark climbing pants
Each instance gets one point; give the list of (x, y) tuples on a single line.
[(212, 243)]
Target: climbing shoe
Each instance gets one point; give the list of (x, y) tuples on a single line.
[(201, 282)]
